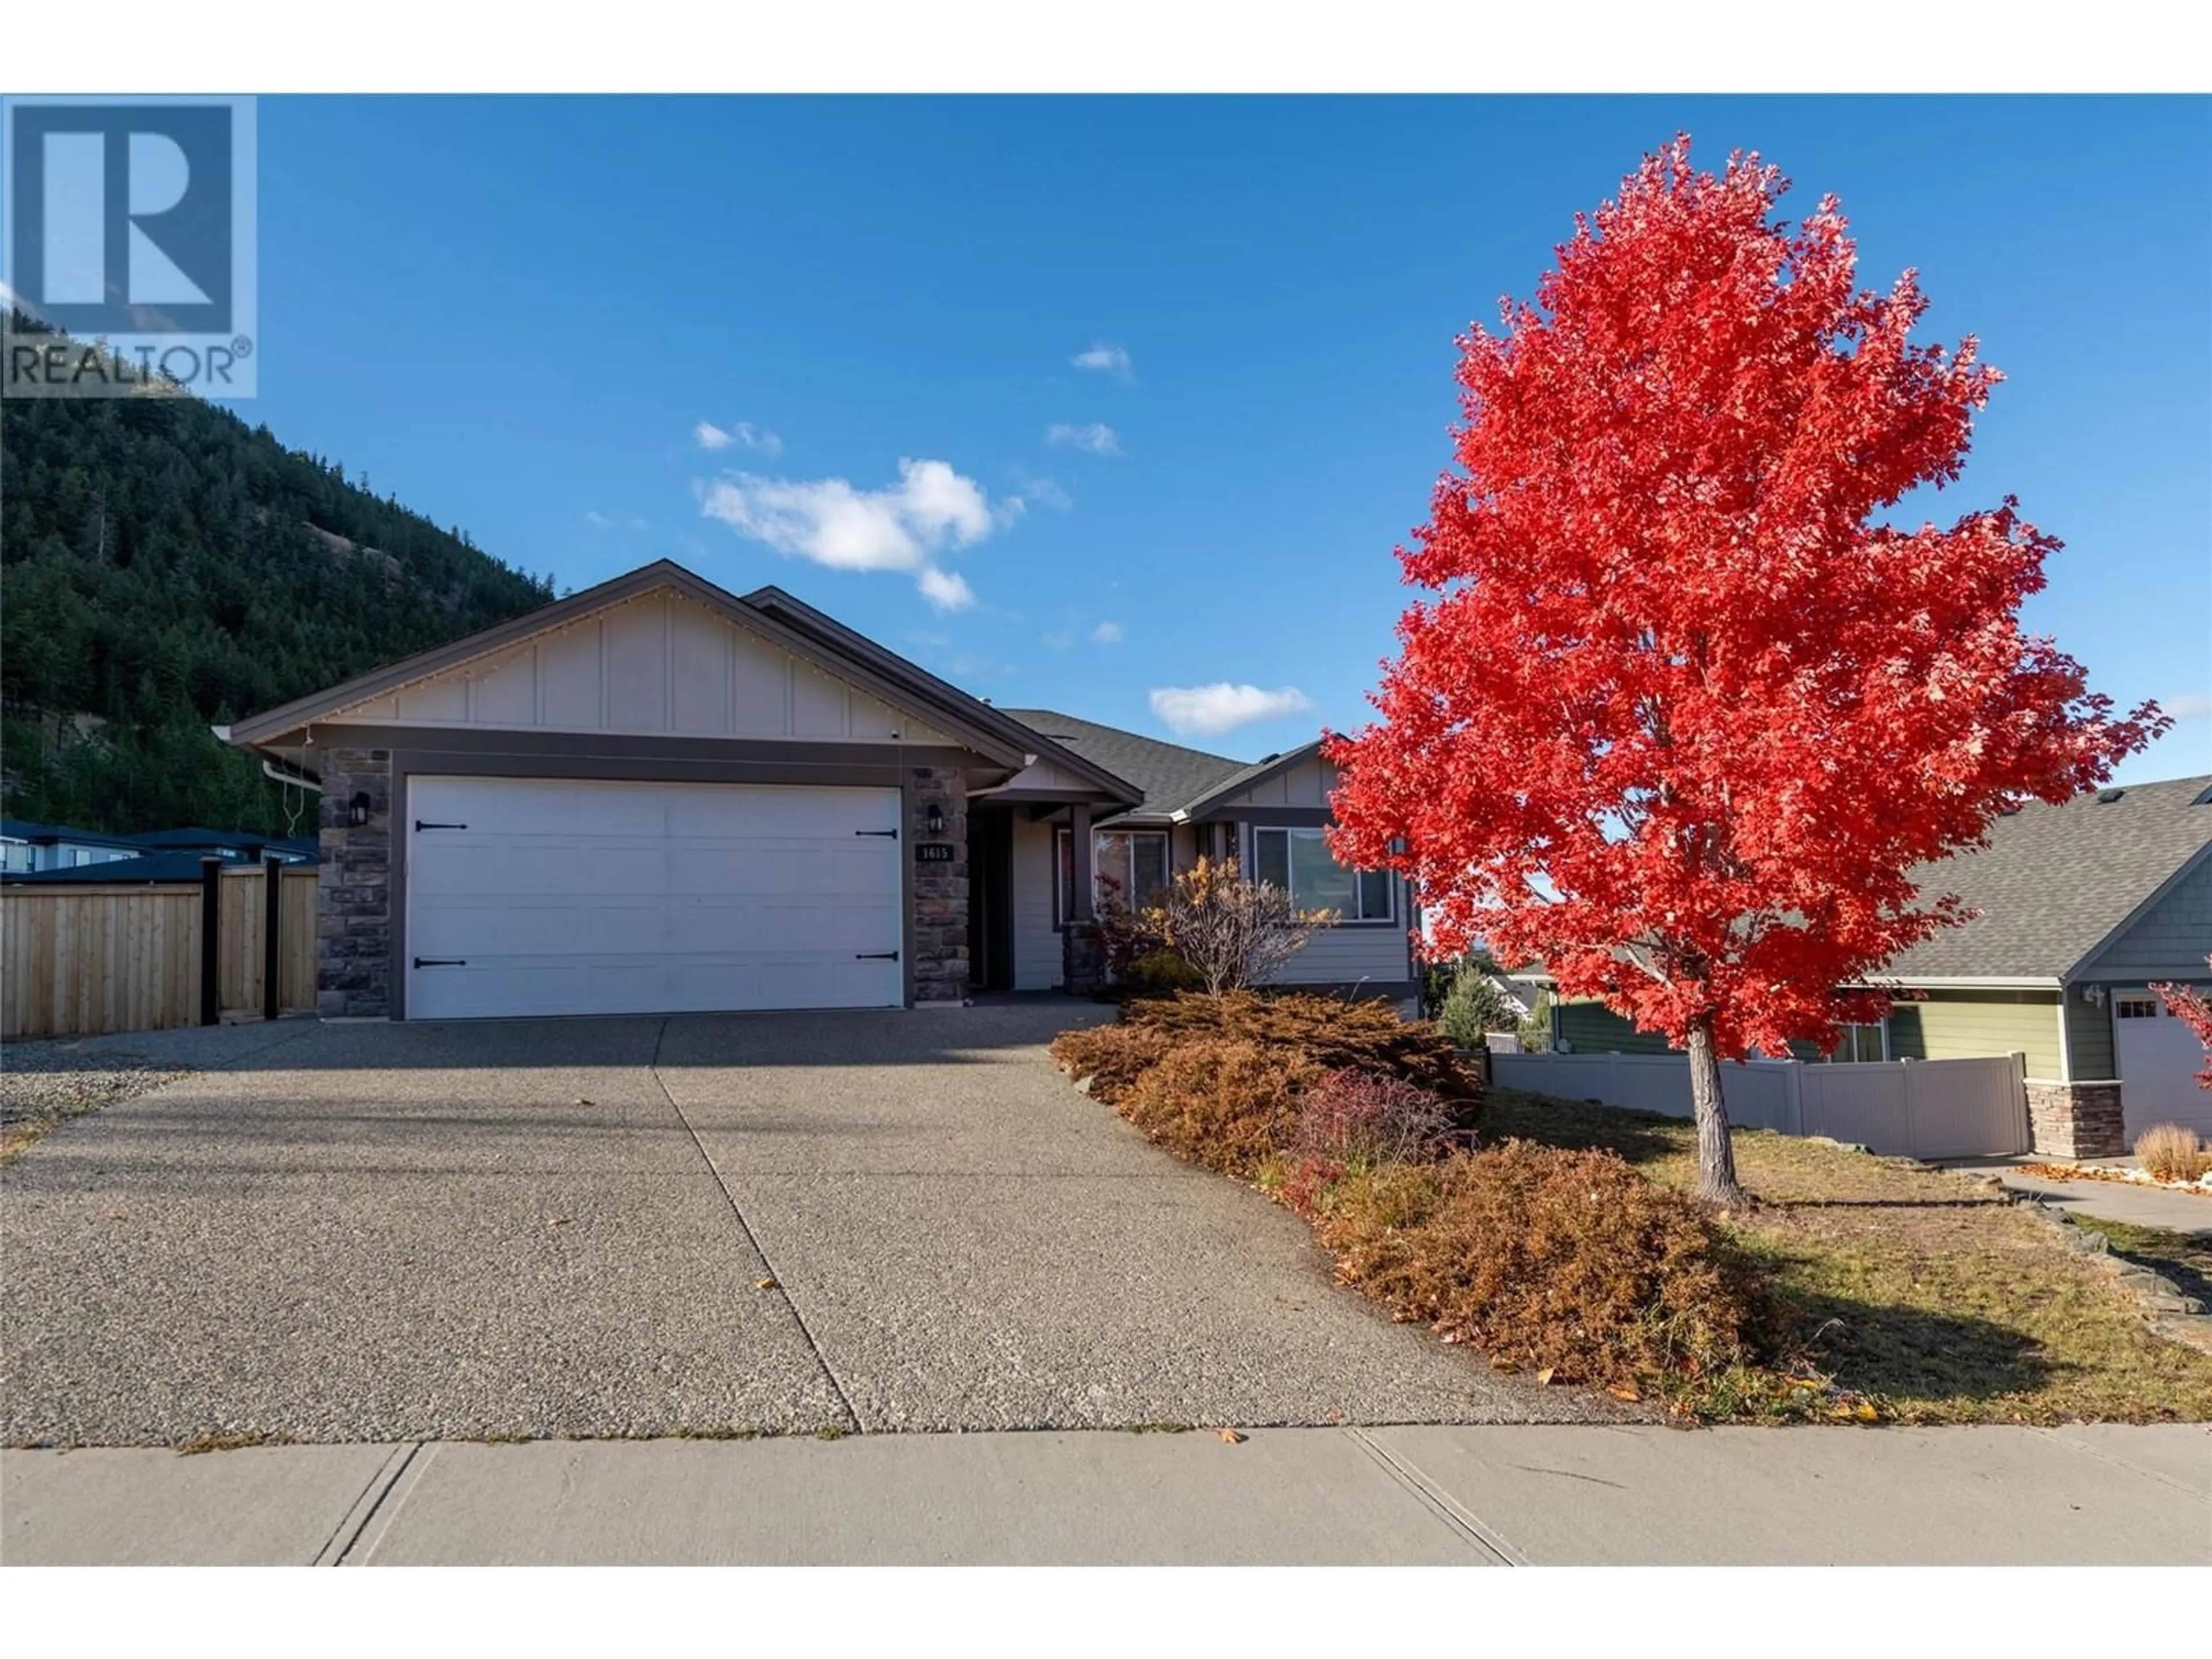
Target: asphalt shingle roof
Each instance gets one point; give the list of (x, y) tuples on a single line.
[(2056, 881), (1170, 775)]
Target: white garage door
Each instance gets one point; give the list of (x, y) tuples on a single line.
[(560, 897), (2160, 1057)]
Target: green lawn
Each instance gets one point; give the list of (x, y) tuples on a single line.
[(1933, 1297)]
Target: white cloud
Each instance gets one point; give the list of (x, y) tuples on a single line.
[(605, 521), (1207, 711), (599, 520), (1106, 633), (1045, 492), (906, 526), (1104, 359), (744, 434), (1060, 639), (2189, 706), (1096, 438)]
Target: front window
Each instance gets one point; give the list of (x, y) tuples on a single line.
[(1129, 866), (1299, 862), (2134, 1005), (1862, 1044)]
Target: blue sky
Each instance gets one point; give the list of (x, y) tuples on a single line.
[(516, 314)]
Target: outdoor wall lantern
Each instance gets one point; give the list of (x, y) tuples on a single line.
[(357, 809), (936, 819)]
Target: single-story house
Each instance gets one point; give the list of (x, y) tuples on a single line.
[(26, 847), (2081, 907), (658, 796)]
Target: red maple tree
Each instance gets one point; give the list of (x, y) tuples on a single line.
[(1683, 712)]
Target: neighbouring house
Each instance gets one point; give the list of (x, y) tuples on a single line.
[(83, 857), (26, 847), (657, 796), (2081, 909)]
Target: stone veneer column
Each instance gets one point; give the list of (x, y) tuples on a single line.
[(353, 888), (2076, 1120), (941, 891)]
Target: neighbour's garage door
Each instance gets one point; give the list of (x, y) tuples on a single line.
[(2159, 1057), (561, 896)]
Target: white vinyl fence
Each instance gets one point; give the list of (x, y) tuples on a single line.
[(1909, 1107)]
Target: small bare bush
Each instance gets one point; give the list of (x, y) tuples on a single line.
[(2171, 1151), (1234, 933), (1352, 1117)]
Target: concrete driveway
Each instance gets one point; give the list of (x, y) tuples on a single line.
[(561, 1228)]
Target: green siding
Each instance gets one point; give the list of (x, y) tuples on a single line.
[(1961, 1024), (2088, 1039), (1591, 1027)]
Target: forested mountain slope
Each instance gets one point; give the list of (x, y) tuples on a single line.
[(165, 566)]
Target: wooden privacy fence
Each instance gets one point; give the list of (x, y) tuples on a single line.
[(83, 959), (1974, 1107)]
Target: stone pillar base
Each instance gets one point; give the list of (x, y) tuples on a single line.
[(2076, 1120), (1082, 958)]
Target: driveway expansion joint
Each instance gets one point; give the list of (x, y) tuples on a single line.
[(1440, 1503), (339, 1548), (773, 1278)]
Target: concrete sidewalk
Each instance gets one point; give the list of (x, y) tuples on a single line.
[(1468, 1496), (2140, 1206)]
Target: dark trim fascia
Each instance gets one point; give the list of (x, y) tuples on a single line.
[(1237, 782), (799, 614), (1034, 797), (928, 701), (1273, 817), (798, 759)]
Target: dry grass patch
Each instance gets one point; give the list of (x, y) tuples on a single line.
[(1939, 1301)]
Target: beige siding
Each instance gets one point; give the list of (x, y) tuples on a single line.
[(656, 665), (1960, 1024), (1036, 942), (1307, 784), (1363, 952)]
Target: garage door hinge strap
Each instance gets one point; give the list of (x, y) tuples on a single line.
[(889, 835), (441, 962), (875, 955), (420, 824)]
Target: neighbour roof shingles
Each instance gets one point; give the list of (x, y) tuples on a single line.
[(2055, 882), (1170, 775)]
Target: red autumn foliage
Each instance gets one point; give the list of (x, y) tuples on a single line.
[(1684, 709)]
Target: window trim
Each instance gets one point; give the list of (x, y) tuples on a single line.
[(1254, 831), (1063, 837)]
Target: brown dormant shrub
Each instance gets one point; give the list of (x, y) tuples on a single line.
[(2172, 1153), (1545, 1258), (1328, 1032), (1217, 1103), (1111, 1056)]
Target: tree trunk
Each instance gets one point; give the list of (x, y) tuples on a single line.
[(1717, 1182)]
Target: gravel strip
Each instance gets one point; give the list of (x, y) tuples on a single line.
[(44, 1082)]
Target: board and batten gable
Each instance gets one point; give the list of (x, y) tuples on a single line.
[(1310, 783), (660, 665)]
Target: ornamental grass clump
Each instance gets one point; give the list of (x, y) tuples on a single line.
[(2171, 1151), (1566, 1262)]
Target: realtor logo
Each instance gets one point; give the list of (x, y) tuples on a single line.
[(129, 240)]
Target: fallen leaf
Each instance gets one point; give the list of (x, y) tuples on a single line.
[(557, 1220), (1503, 1365), (1229, 1434), (1622, 1391), (583, 1103), (764, 1284), (1544, 1376), (1867, 1413)]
